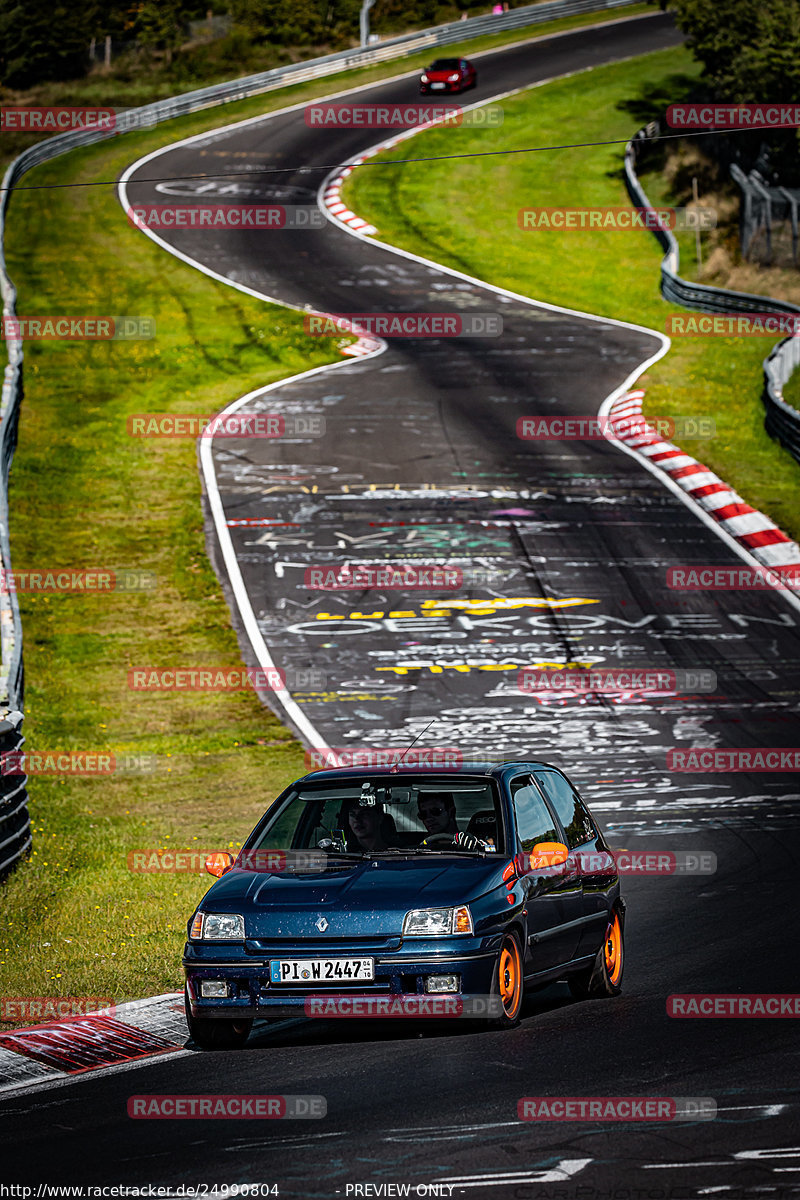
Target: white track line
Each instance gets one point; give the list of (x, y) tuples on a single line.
[(297, 718), (630, 402)]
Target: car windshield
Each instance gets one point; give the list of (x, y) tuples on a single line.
[(445, 64), (372, 816)]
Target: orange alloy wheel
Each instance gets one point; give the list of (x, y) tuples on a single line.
[(509, 977), (613, 950)]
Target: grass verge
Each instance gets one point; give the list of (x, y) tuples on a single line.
[(615, 274), (74, 921)]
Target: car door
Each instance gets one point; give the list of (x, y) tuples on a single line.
[(553, 895), (586, 846)]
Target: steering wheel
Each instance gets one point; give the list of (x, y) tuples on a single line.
[(331, 845), (438, 837)]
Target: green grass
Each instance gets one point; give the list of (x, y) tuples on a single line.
[(791, 390), (615, 274), (73, 920)]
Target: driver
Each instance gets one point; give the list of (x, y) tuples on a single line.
[(437, 812)]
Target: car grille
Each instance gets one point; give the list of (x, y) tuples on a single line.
[(301, 947)]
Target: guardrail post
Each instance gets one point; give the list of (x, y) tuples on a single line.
[(363, 21), (766, 200), (792, 199)]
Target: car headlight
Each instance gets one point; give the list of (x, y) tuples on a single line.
[(218, 927), (436, 922), (453, 78), (424, 79)]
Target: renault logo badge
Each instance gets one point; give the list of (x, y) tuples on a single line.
[(322, 924)]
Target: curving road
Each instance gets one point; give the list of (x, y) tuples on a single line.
[(420, 461)]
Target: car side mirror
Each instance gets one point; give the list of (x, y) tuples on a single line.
[(219, 863), (548, 854)]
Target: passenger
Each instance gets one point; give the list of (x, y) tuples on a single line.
[(366, 825)]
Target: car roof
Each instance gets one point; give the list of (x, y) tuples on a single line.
[(489, 770)]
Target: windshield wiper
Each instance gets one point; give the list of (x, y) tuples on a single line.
[(337, 854), (393, 850), (446, 850)]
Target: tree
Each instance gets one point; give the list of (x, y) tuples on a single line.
[(748, 48), (750, 51), (160, 24), (41, 41), (297, 22)]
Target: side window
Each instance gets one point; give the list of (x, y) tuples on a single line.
[(282, 832), (534, 822), (572, 813)]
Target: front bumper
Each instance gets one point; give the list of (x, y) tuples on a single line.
[(397, 974)]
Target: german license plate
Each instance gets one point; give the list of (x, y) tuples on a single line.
[(437, 85), (321, 970)]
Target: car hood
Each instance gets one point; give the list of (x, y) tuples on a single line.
[(363, 899)]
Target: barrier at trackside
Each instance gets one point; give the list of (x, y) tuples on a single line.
[(15, 825), (782, 421)]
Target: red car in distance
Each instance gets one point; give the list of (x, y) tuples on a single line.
[(448, 75)]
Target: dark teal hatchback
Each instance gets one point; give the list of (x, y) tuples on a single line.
[(402, 891)]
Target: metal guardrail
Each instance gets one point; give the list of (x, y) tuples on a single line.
[(14, 823), (762, 205), (782, 422)]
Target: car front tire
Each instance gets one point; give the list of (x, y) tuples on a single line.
[(507, 983), (216, 1034), (604, 977)]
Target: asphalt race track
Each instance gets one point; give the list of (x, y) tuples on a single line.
[(420, 462)]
